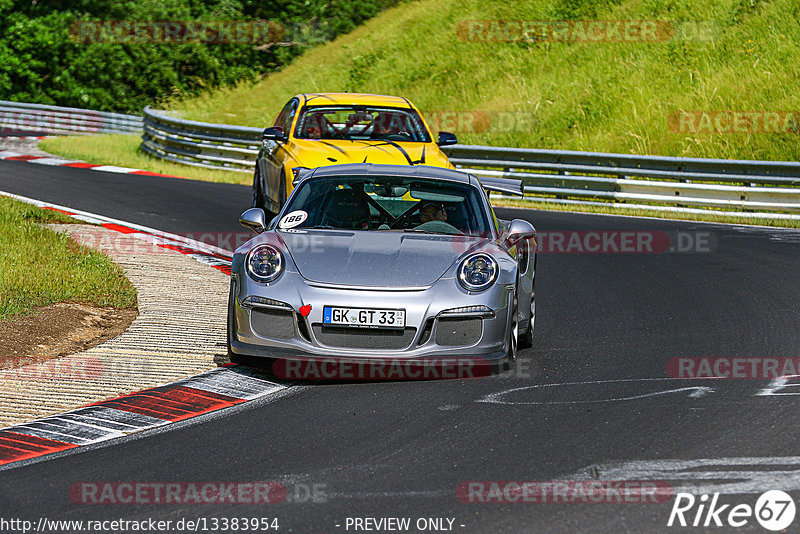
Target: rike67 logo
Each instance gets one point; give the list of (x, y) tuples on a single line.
[(774, 510)]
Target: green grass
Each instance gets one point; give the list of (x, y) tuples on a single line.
[(615, 209), (591, 96), (39, 267), (123, 151)]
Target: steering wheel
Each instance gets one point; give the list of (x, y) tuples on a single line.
[(440, 227)]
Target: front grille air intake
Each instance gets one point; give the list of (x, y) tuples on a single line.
[(272, 324), (364, 338), (454, 332)]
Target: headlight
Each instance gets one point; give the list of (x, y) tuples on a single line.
[(264, 263), (477, 272)]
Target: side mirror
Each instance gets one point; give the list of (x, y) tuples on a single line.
[(447, 138), (254, 219), (519, 230), (273, 133)]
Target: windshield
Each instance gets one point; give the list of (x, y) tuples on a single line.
[(387, 204), (361, 123)]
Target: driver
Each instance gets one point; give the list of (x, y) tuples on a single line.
[(313, 126), (432, 212), (384, 125), (433, 218)]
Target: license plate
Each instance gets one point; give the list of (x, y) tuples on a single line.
[(364, 317)]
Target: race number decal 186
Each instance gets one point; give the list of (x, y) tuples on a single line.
[(295, 218)]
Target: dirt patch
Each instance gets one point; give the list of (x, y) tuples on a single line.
[(58, 330)]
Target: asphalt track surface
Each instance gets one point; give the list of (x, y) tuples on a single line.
[(400, 449)]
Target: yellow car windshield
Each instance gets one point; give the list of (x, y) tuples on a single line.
[(361, 123)]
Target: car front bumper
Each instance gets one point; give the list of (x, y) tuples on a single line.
[(278, 330)]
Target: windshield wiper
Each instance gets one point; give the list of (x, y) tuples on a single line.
[(415, 230), (421, 231)]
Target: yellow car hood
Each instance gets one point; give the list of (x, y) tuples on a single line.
[(314, 153)]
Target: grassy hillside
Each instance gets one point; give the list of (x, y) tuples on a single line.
[(604, 96)]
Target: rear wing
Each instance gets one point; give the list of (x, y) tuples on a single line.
[(502, 185)]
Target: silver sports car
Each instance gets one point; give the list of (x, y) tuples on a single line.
[(384, 261)]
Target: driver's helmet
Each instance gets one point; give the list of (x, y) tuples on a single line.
[(431, 211), (385, 123), (312, 127)]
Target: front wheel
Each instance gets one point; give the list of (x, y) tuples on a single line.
[(511, 355), (231, 319), (513, 338), (525, 338), (233, 357)]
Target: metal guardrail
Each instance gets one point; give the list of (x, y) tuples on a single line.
[(738, 185), (202, 144), (750, 188), (40, 118)]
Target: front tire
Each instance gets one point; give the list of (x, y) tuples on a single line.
[(513, 337), (231, 310), (525, 338)]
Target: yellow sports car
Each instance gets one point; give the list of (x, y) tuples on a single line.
[(315, 130)]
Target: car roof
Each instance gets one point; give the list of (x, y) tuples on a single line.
[(374, 169), (356, 99)]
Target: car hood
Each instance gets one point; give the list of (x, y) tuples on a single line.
[(322, 152), (374, 258)]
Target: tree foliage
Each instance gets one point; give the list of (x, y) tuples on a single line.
[(41, 61)]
